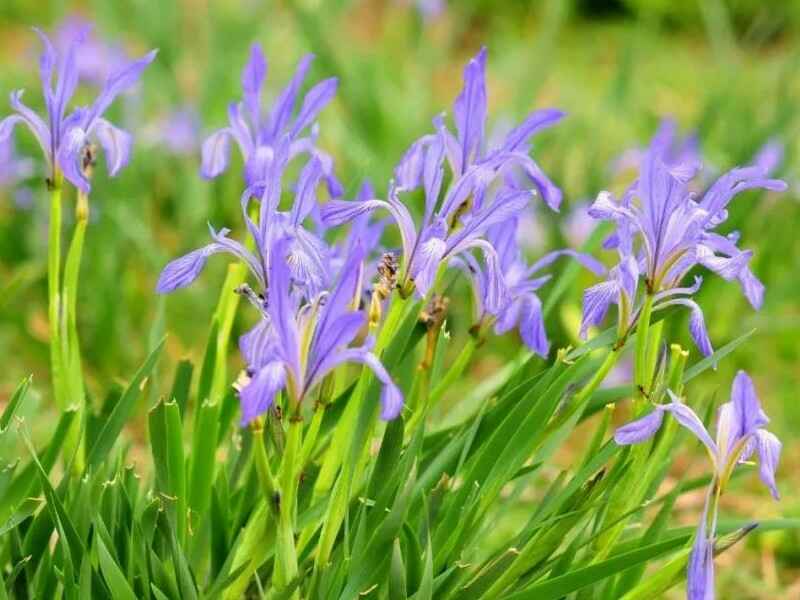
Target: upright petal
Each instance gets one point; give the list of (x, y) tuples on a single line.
[(258, 345), (118, 83), (116, 145), (469, 110), (284, 103), (306, 195), (316, 99), (769, 453), (216, 153), (70, 157), (253, 75), (747, 409), (258, 395)]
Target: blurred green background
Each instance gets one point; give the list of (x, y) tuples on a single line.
[(727, 70)]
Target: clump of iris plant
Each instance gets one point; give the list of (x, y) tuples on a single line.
[(489, 188), (662, 231), (740, 436)]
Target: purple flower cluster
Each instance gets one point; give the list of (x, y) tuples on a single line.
[(64, 137), (663, 230)]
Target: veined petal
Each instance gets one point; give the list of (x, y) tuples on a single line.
[(116, 145), (184, 270), (281, 307), (768, 447), (258, 395), (469, 109), (641, 429), (596, 301), (338, 212), (216, 152), (531, 325), (316, 99), (257, 345), (253, 75), (70, 158), (426, 263)]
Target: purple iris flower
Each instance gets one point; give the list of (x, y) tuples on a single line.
[(309, 256), (258, 134), (676, 150), (64, 138), (294, 347), (740, 434), (521, 308), (668, 233), (482, 193)]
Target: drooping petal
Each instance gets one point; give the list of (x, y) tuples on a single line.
[(34, 122), (641, 429), (216, 152), (596, 301), (316, 99), (257, 345), (258, 395), (697, 323), (550, 193), (768, 447), (531, 325), (116, 145), (184, 270), (752, 287)]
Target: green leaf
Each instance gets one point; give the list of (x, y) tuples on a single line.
[(397, 574), (558, 587), (122, 411), (710, 361), (14, 403), (181, 384), (115, 579), (166, 442)]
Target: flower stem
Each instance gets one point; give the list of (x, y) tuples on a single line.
[(288, 476), (53, 293), (71, 352), (641, 377)]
